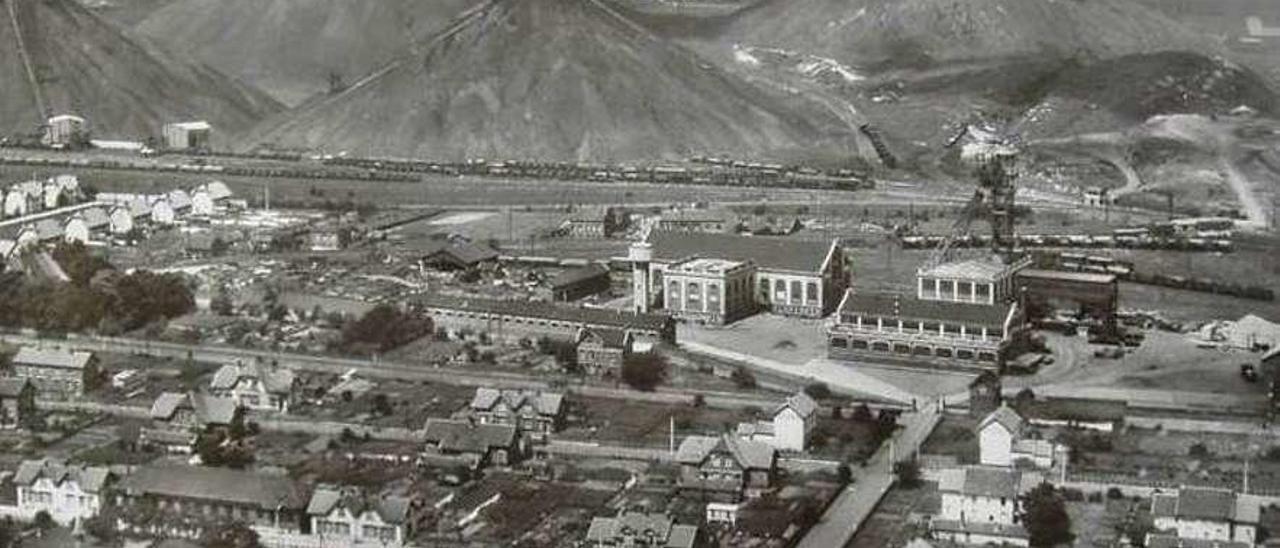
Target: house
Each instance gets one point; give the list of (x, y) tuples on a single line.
[(70, 494), (121, 219), (96, 219), (256, 386), (162, 212), (576, 283), (595, 223), (187, 135), (177, 419), (793, 276), (76, 229), (603, 350), (692, 220), (179, 200), (1206, 514), (452, 254), (345, 516), (17, 402), (471, 444), (637, 529), (980, 506), (533, 413), (726, 466), (171, 501), (1003, 441), (56, 372), (789, 429)]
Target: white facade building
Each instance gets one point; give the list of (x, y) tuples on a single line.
[(1207, 514), (790, 426), (980, 506), (1003, 441), (256, 386), (70, 494)]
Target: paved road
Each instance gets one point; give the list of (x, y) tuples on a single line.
[(857, 502), (402, 371)]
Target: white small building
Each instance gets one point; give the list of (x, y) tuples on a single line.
[(121, 219), (343, 516), (187, 135), (64, 130), (162, 212), (70, 494), (1003, 441), (1206, 514), (76, 229), (790, 426), (980, 506)]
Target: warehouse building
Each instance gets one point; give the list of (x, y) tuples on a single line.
[(515, 319)]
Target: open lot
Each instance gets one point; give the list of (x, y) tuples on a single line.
[(899, 518)]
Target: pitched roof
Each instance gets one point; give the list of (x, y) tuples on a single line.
[(545, 403), (91, 479), (96, 217), (465, 437), (1006, 417), (1164, 540), (208, 409), (802, 403), (980, 481), (264, 491), (578, 275), (593, 317), (390, 508), (13, 387), (276, 380), (52, 357), (897, 307), (609, 337), (642, 525), (1206, 503), (466, 253), (752, 455), (767, 252)]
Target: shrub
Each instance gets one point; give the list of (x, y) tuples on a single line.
[(645, 371)]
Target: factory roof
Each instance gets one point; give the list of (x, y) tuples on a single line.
[(986, 269), (591, 317), (891, 305), (767, 252), (52, 357), (578, 275), (266, 492), (699, 265), (1081, 277)]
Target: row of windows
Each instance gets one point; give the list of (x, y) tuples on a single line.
[(841, 343), (948, 288), (800, 291), (919, 326)]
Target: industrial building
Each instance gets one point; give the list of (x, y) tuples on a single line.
[(187, 135)]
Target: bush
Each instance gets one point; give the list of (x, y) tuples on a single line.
[(644, 372), (1199, 451), (383, 328), (818, 391), (743, 379), (1045, 516), (908, 473), (1115, 493)]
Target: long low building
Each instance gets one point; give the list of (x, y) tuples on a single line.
[(521, 318)]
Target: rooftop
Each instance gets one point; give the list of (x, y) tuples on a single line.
[(389, 508), (1208, 504), (275, 379), (749, 454), (802, 403), (1057, 276), (767, 252), (52, 357), (898, 307), (988, 269), (465, 437), (1004, 416), (267, 492), (545, 403), (609, 337), (91, 479), (596, 317), (577, 275), (661, 527), (980, 481), (706, 266)]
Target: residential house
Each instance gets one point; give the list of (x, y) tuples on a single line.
[(70, 494), (790, 426), (170, 501), (1206, 514), (1003, 441), (17, 402), (178, 419), (726, 466), (980, 506), (471, 444), (56, 372), (76, 229), (121, 219), (346, 516), (162, 211), (257, 386), (693, 220), (595, 223), (639, 529), (534, 413), (603, 350), (456, 254), (576, 283)]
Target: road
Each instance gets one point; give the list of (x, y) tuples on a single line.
[(382, 369), (870, 483)]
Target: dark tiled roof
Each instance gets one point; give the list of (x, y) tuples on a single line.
[(267, 492), (12, 388), (894, 306), (578, 275), (464, 437), (1197, 503), (609, 337), (91, 479), (592, 317), (751, 455), (390, 509), (981, 481), (768, 252)]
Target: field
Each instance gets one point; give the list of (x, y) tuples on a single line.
[(646, 424), (898, 518)]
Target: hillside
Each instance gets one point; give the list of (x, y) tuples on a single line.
[(553, 79), (897, 32), (85, 65), (290, 48)]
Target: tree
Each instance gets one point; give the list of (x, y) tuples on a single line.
[(231, 535), (908, 472), (743, 378), (844, 474), (645, 371), (818, 391), (382, 405), (1045, 516), (383, 328), (44, 521)]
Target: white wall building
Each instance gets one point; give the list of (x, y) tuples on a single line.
[(1003, 441), (256, 386), (345, 517), (790, 426), (1203, 513), (70, 494), (980, 506), (76, 229)]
